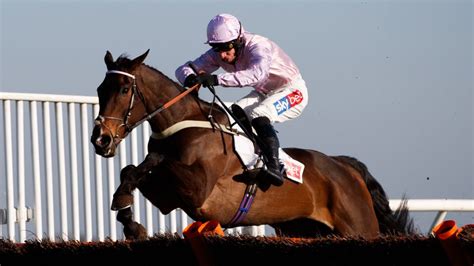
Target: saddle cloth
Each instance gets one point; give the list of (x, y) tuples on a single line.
[(244, 148)]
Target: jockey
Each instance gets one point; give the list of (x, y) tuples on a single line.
[(248, 59)]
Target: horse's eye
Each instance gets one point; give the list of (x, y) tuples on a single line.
[(124, 90)]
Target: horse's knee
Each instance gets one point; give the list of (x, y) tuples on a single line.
[(127, 172), (153, 159)]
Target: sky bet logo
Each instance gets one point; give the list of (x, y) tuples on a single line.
[(288, 101)]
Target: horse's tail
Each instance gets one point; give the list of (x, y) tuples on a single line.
[(390, 222)]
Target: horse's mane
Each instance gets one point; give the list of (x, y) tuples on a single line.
[(123, 59), (166, 77)]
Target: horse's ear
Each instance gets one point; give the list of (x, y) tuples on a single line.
[(109, 60), (139, 60)]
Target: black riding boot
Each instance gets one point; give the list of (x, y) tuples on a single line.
[(267, 134), (240, 115)]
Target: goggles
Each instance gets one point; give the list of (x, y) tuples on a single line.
[(223, 47)]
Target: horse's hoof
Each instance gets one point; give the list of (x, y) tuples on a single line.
[(120, 202), (135, 231)]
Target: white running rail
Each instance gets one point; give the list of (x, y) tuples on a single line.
[(53, 186), (441, 206)]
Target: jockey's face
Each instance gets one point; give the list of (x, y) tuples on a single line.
[(228, 56)]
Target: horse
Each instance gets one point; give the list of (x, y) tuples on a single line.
[(195, 168)]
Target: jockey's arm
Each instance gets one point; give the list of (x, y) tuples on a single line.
[(204, 63)]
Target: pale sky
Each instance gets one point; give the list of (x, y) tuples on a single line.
[(390, 82)]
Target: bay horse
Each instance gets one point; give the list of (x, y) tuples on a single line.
[(195, 168)]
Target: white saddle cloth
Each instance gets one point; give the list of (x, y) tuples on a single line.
[(244, 148)]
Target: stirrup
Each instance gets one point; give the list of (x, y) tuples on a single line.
[(275, 179), (247, 176)]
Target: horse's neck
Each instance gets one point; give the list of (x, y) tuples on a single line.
[(160, 90)]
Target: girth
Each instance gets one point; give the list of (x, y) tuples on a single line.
[(251, 189)]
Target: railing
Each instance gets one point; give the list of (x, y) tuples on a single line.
[(441, 206), (43, 163), (42, 190)]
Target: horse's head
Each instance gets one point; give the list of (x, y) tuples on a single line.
[(119, 99)]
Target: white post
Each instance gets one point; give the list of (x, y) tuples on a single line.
[(111, 183), (49, 171), (99, 191), (38, 213), (149, 218), (86, 172), (74, 174), (21, 171), (99, 198), (62, 171), (439, 218), (11, 212), (172, 215), (161, 223), (261, 230)]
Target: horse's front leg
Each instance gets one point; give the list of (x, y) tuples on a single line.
[(131, 229), (129, 178)]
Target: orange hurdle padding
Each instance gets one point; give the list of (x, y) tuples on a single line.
[(194, 234), (191, 231), (211, 227), (447, 233)]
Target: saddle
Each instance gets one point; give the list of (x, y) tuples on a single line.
[(248, 148)]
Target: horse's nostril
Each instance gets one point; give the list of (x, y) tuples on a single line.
[(103, 141), (106, 140)]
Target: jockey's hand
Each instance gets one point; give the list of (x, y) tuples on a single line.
[(208, 80), (190, 81)]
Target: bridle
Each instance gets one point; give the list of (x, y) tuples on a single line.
[(147, 116), (128, 128)]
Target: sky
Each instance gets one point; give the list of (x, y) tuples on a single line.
[(390, 82)]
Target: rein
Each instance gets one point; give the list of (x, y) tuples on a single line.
[(147, 116), (250, 191)]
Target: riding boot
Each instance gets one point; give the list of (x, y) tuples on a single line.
[(268, 136), (241, 116)]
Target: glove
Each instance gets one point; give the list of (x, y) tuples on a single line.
[(208, 80), (190, 81)]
